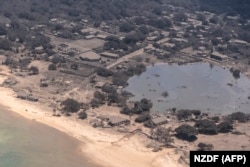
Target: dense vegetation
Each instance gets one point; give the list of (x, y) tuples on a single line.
[(186, 132), (231, 7)]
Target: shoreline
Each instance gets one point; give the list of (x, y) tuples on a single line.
[(96, 144)]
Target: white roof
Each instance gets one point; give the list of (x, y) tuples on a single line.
[(90, 56)]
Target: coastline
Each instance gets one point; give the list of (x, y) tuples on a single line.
[(96, 144)]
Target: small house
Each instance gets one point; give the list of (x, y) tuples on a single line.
[(88, 37), (218, 56), (101, 36), (110, 55), (161, 120), (99, 84), (90, 56), (117, 121)]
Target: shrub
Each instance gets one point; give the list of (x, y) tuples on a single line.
[(52, 67), (162, 135), (126, 27), (99, 95), (186, 132), (58, 59), (3, 30), (70, 105), (120, 79), (183, 114), (95, 103), (206, 127), (82, 115), (149, 124), (196, 112), (215, 119), (104, 72), (34, 70), (225, 127), (239, 116), (125, 110), (142, 118), (235, 73), (44, 85), (146, 104), (205, 147), (74, 66), (5, 44)]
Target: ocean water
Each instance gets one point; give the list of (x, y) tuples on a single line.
[(192, 86), (26, 143)]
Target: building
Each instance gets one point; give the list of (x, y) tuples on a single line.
[(99, 84), (162, 41), (110, 55), (101, 36), (116, 121), (180, 40), (161, 120), (218, 56), (23, 95), (238, 42), (90, 56), (168, 45), (26, 96), (152, 38), (89, 37)]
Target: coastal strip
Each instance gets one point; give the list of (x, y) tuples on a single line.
[(97, 145)]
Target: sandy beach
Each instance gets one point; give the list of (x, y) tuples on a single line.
[(97, 145)]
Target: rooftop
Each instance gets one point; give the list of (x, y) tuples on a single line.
[(111, 55), (219, 55), (90, 56), (159, 120)]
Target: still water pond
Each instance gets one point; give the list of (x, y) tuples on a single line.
[(192, 86), (25, 143)]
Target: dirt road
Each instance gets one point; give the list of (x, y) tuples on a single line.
[(126, 57)]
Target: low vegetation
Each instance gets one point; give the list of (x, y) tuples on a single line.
[(207, 127), (205, 147), (186, 132), (238, 116), (70, 105)]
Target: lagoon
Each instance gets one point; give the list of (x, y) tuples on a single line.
[(201, 86)]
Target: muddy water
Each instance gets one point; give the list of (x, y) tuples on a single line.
[(192, 86), (26, 143)]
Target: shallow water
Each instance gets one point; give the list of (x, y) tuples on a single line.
[(26, 143), (192, 86)]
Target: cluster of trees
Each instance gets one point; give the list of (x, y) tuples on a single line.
[(238, 116), (113, 42), (208, 126), (142, 106), (72, 106), (103, 72), (120, 78), (5, 44), (162, 135), (231, 7), (186, 114), (235, 73), (34, 70), (108, 95), (130, 39), (186, 132), (205, 147)]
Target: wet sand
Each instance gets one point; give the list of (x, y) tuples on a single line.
[(27, 143)]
